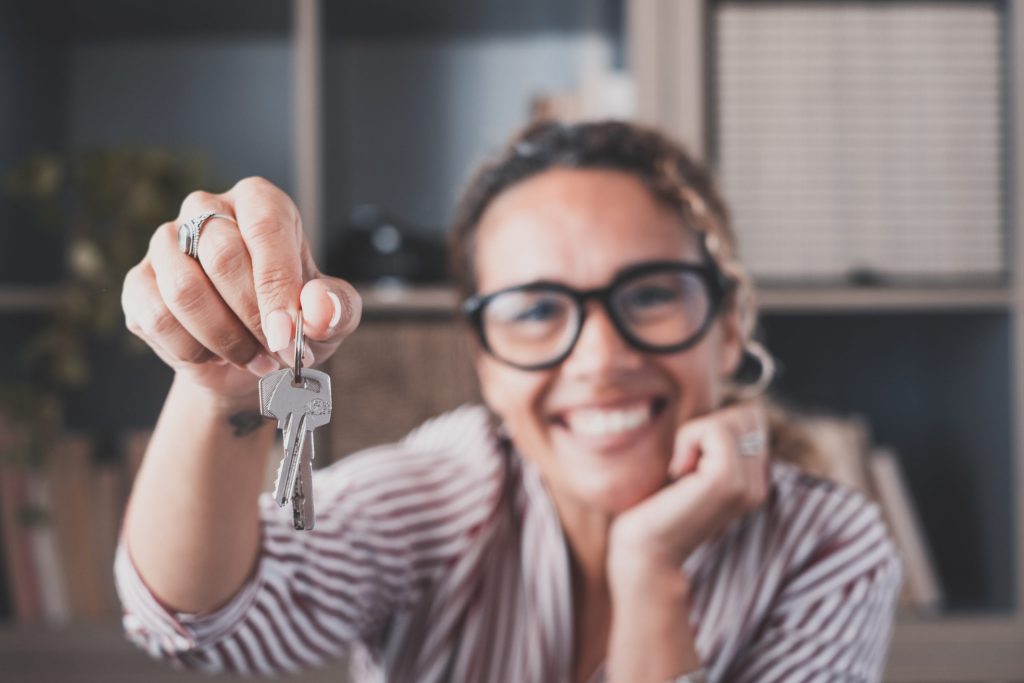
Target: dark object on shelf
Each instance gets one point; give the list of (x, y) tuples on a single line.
[(379, 248)]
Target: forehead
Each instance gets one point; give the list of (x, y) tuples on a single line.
[(577, 226)]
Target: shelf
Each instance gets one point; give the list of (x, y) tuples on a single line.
[(89, 652), (433, 300), (961, 649), (965, 650), (882, 299), (20, 298), (440, 300), (126, 20), (464, 18)]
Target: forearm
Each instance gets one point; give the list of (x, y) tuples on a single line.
[(651, 639), (192, 524)]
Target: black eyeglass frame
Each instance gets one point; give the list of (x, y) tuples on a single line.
[(719, 287)]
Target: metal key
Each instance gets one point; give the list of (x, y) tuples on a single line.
[(300, 400)]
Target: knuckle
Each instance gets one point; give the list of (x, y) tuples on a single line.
[(236, 348), (157, 321), (275, 281), (195, 354), (166, 234), (128, 288), (221, 258), (254, 183), (196, 198), (263, 230), (260, 191), (252, 321), (187, 292)]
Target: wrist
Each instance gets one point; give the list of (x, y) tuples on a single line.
[(213, 404), (636, 584), (652, 638)]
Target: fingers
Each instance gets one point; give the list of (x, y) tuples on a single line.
[(225, 261), (710, 445), (271, 230), (190, 296), (242, 292), (149, 318)]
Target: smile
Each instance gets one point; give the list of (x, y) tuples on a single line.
[(610, 421)]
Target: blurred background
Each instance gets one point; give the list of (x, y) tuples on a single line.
[(869, 152)]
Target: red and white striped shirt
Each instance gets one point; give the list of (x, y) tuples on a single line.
[(441, 558)]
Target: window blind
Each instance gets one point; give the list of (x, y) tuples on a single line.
[(862, 139)]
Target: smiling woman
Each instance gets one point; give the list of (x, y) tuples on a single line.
[(614, 513)]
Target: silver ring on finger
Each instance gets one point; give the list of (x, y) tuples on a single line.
[(752, 444), (189, 231)]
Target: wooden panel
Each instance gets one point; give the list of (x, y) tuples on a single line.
[(391, 375), (100, 653)]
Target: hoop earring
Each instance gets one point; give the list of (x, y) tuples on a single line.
[(758, 352)]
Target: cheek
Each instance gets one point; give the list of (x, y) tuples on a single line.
[(696, 375), (512, 394)]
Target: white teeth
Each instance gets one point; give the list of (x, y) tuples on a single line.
[(601, 422)]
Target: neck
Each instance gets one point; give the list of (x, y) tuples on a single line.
[(586, 531)]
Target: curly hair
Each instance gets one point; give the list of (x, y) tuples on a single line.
[(671, 174)]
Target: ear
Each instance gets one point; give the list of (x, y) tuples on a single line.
[(731, 347)]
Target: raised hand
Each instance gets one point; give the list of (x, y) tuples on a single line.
[(718, 472), (227, 315)]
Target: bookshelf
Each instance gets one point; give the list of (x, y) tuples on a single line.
[(965, 342), (280, 69)]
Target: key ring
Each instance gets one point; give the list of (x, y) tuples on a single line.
[(300, 344)]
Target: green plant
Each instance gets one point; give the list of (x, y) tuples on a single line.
[(103, 205)]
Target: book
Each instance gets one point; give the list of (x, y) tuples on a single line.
[(76, 519), (16, 537), (921, 582), (54, 606)]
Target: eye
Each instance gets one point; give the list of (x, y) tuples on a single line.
[(650, 295), (540, 311)]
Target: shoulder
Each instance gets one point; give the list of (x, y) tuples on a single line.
[(824, 534), (450, 462)]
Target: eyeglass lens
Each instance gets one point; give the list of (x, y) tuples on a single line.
[(537, 326)]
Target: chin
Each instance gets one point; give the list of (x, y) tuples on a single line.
[(616, 492)]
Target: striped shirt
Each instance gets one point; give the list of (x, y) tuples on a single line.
[(441, 558)]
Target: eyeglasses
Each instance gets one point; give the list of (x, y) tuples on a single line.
[(657, 307)]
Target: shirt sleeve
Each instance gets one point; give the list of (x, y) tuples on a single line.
[(833, 618), (389, 521)]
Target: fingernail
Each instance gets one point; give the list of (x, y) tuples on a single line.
[(278, 328), (262, 364), (336, 317)]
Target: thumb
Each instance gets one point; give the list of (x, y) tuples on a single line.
[(331, 309)]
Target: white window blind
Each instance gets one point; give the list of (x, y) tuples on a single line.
[(862, 138)]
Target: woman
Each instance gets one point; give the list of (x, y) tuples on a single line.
[(614, 515)]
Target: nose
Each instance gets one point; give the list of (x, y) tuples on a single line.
[(600, 349)]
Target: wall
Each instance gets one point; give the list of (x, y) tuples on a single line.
[(231, 98), (407, 119)]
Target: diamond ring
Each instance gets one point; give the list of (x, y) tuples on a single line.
[(188, 232), (752, 444)]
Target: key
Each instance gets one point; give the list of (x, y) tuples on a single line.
[(303, 516), (300, 408), (301, 402), (317, 414)]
